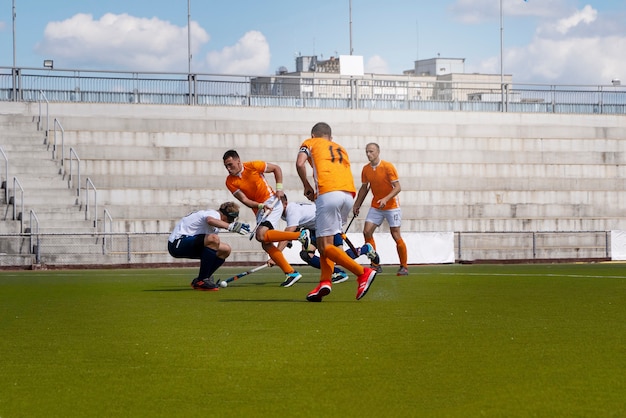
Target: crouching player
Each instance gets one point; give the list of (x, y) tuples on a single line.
[(195, 236)]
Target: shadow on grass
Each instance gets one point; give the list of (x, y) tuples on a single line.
[(264, 300)]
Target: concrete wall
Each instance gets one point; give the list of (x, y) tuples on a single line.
[(460, 171)]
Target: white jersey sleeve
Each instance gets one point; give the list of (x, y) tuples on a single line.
[(195, 224)]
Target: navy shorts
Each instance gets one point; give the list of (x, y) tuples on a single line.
[(187, 247)]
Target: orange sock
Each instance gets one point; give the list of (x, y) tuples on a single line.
[(280, 260), (340, 257), (276, 236), (401, 246), (326, 266)]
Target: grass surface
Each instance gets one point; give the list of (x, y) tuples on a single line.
[(446, 341)]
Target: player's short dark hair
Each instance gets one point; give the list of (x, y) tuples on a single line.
[(230, 153), (321, 129)]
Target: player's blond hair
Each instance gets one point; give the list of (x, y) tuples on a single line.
[(230, 210)]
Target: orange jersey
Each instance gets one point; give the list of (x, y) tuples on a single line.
[(331, 166), (380, 179), (251, 182)]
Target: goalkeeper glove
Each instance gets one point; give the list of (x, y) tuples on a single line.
[(239, 227)]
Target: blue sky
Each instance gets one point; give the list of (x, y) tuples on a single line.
[(545, 41)]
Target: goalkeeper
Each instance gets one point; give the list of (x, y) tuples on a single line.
[(195, 236)]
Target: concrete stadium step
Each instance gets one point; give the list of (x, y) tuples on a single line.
[(513, 225), (157, 181), (498, 170), (16, 260)]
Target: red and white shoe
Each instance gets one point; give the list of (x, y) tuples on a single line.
[(365, 280), (323, 289)]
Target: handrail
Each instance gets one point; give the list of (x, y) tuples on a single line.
[(95, 198), (107, 216), (70, 182), (35, 248), (6, 176), (16, 183), (54, 148), (41, 93)]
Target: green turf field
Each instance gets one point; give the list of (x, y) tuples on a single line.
[(446, 341)]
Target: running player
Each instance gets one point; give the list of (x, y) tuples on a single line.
[(382, 178), (247, 182), (333, 195)]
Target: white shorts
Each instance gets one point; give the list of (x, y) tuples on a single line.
[(275, 216), (332, 210), (393, 216)]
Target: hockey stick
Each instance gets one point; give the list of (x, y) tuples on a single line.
[(240, 275), (345, 237), (263, 218)]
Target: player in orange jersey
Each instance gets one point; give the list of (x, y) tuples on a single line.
[(247, 182), (382, 178), (333, 195)]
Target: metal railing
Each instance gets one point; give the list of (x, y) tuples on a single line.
[(309, 90), (151, 247), (34, 236), (16, 216), (41, 100), (70, 180), (89, 185), (5, 181), (54, 146)]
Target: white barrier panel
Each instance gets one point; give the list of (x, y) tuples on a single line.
[(422, 248), (618, 245)]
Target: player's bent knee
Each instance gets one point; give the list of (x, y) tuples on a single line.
[(305, 256), (224, 251)]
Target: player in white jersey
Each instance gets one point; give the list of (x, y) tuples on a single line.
[(195, 236), (301, 215)]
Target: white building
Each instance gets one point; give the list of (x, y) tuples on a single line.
[(431, 79)]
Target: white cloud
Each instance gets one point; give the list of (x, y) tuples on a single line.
[(594, 60), (376, 65), (120, 42), (249, 56), (582, 47), (586, 15)]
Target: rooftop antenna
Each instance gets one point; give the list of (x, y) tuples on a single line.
[(351, 49), (417, 40)]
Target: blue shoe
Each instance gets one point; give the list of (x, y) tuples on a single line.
[(291, 279), (371, 253), (339, 277), (305, 239)]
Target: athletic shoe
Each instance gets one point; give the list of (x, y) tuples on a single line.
[(319, 292), (291, 279), (339, 277), (305, 239), (365, 280), (402, 271), (377, 267), (205, 284), (370, 252)]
